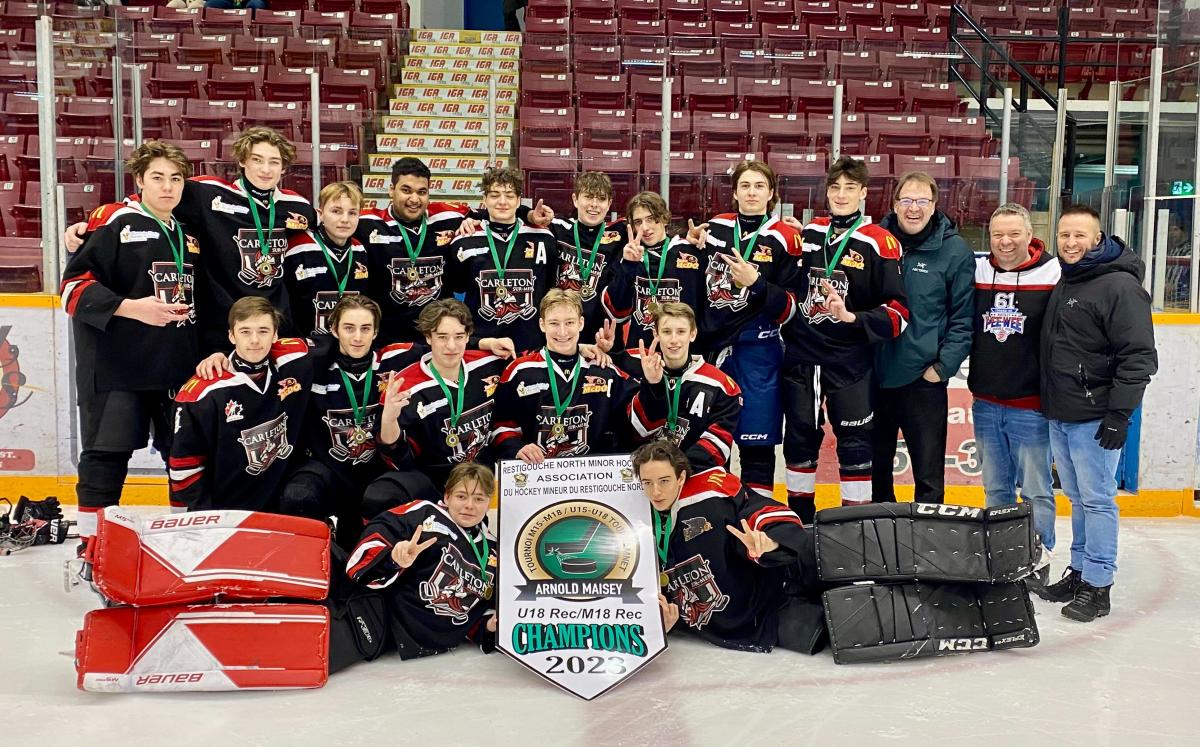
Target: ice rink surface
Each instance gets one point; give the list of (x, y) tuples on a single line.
[(1130, 678)]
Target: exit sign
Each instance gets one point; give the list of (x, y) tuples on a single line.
[(1183, 189)]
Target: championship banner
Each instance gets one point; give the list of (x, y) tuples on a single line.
[(578, 589), (451, 92), (440, 186), (463, 36), (474, 65), (440, 144), (453, 78), (449, 109), (454, 165), (421, 124), (464, 51)]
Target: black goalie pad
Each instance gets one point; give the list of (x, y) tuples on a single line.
[(925, 542), (891, 622)]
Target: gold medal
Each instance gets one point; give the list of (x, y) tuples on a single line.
[(452, 440), (558, 430), (663, 580), (501, 293), (359, 436), (178, 290), (413, 275), (487, 592), (266, 266)]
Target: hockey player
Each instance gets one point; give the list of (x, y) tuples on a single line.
[(554, 402), (504, 267), (654, 269), (234, 434), (748, 267), (435, 565), (691, 403), (130, 294), (438, 411), (409, 247), (726, 554), (849, 295), (327, 262)]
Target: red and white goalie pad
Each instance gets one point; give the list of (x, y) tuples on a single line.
[(199, 556), (203, 648)]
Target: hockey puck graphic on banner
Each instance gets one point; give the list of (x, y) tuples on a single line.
[(582, 544)]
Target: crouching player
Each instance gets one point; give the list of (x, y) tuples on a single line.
[(435, 566), (735, 565)]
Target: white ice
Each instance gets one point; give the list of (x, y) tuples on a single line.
[(1130, 678)]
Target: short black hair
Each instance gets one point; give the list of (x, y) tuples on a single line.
[(409, 166), (1080, 209)]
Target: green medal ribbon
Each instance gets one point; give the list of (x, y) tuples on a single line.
[(737, 236), (585, 269), (512, 241), (341, 282), (263, 245), (559, 406), (673, 400), (656, 280), (360, 413), (841, 246), (662, 536), (414, 253), (455, 408), (176, 251), (481, 556)]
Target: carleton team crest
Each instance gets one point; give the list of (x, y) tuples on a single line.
[(571, 278), (566, 435), (813, 306), (505, 301), (470, 435), (455, 586), (172, 287), (257, 269), (692, 586), (723, 293), (323, 304), (577, 551), (264, 444), (416, 283), (351, 443), (669, 289)]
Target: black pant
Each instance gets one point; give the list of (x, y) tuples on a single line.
[(113, 425), (919, 411)]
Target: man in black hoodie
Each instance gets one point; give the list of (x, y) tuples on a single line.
[(1097, 358)]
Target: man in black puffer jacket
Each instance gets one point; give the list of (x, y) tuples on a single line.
[(1097, 357)]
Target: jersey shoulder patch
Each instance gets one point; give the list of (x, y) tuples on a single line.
[(104, 215), (448, 207), (196, 387), (288, 346)]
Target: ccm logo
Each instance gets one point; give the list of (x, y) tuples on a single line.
[(168, 679), (962, 644), (174, 522), (940, 509), (753, 437)]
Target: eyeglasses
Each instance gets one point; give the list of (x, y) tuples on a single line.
[(909, 202)]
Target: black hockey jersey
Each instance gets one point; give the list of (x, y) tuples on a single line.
[(427, 436), (723, 595), (400, 286), (506, 307), (333, 439), (595, 418), (729, 308), (867, 275), (444, 596), (595, 253), (233, 437), (316, 279), (221, 214), (710, 404), (636, 285), (126, 256)]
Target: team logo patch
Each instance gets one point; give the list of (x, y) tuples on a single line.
[(416, 283), (220, 206), (172, 287), (564, 436), (687, 261), (431, 524), (470, 436), (443, 238), (595, 385), (323, 304), (524, 389), (692, 586), (677, 436), (350, 442), (571, 279), (489, 385), (1003, 322), (455, 586), (360, 271), (288, 387), (693, 528), (265, 444), (852, 259), (295, 222), (383, 238), (193, 246), (233, 411), (813, 306), (723, 293), (508, 300), (260, 270), (130, 236), (762, 254), (644, 307)]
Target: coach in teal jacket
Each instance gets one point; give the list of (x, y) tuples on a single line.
[(911, 370)]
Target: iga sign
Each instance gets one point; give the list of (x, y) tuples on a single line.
[(578, 591)]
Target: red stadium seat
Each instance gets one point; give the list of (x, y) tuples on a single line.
[(801, 179), (721, 131), (87, 117), (21, 261), (602, 91), (960, 136), (861, 14), (596, 60), (208, 119), (159, 116), (623, 168), (874, 96), (173, 20), (547, 91), (605, 129), (340, 123), (911, 15), (738, 35), (854, 65), (595, 30), (899, 134), (350, 87), (546, 30), (648, 126), (334, 6), (20, 114), (228, 82), (318, 24), (641, 9), (710, 94), (281, 23), (746, 63), (594, 8), (730, 11), (201, 153), (783, 133), (647, 92), (837, 38), (764, 95), (196, 49), (550, 175), (817, 13), (879, 38), (546, 58), (177, 81), (933, 98), (806, 65), (855, 138), (300, 52), (287, 84), (631, 28), (151, 47), (686, 181), (684, 11), (225, 21), (547, 128), (785, 37), (283, 116), (704, 63), (78, 199), (813, 96), (935, 39), (691, 34), (256, 50), (363, 54), (911, 66), (773, 11)]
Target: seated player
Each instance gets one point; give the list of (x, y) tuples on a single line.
[(235, 434), (130, 294), (748, 269), (685, 400), (726, 555), (848, 295), (435, 566), (503, 268), (437, 412), (554, 402), (654, 269), (409, 247), (325, 263)]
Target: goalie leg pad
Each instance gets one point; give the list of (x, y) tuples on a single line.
[(890, 622), (198, 556), (925, 542), (203, 648)]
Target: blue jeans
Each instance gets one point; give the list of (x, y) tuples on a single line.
[(1089, 478), (1014, 449)]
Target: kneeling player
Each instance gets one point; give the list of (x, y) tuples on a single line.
[(726, 554), (435, 565), (691, 403)]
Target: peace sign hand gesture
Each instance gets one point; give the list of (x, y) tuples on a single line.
[(651, 360), (633, 250), (756, 541), (606, 336), (744, 273), (406, 552), (836, 304), (395, 396)]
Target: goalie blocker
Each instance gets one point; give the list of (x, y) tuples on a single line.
[(160, 564)]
